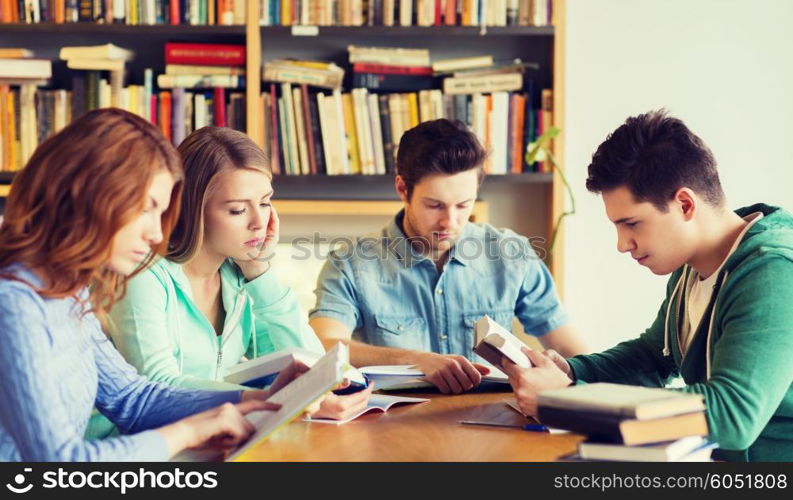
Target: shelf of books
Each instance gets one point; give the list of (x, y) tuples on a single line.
[(387, 13), (326, 87), (336, 82)]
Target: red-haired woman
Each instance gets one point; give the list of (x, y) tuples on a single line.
[(91, 208)]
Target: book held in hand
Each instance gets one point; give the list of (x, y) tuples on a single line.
[(261, 371), (493, 341), (326, 374)]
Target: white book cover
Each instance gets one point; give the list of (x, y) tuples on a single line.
[(270, 364), (339, 127), (493, 341), (298, 395), (377, 134), (498, 132), (300, 126)]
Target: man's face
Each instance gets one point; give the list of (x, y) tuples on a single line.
[(661, 241), (440, 207)]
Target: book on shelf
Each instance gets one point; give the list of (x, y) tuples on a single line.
[(493, 342), (483, 83), (377, 402), (461, 63), (20, 70), (96, 64), (200, 81), (204, 54), (15, 53), (391, 70), (285, 71), (106, 51), (392, 56), (625, 401), (615, 429), (187, 69), (683, 449)]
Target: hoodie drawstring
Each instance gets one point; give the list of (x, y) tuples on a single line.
[(672, 299)]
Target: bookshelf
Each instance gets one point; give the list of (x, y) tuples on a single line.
[(529, 203)]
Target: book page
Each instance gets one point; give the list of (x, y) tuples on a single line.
[(327, 373)]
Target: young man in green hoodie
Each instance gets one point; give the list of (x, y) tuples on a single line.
[(726, 324)]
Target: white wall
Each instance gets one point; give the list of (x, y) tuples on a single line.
[(725, 68)]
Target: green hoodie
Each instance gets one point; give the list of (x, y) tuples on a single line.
[(160, 330), (741, 356)]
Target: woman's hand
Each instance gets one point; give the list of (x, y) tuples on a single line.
[(261, 256), (222, 427), (343, 407)]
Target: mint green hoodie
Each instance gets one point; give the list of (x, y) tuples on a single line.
[(741, 357), (160, 330)]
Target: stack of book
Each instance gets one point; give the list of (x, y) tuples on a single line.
[(314, 73), (95, 60), (629, 423), (131, 12), (208, 71), (391, 69), (19, 131)]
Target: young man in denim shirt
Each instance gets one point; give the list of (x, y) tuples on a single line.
[(411, 293)]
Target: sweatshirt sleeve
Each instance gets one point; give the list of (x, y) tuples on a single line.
[(141, 331), (34, 415), (279, 322), (751, 369)]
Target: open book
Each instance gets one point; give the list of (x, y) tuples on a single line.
[(298, 395), (398, 377), (493, 341), (294, 398), (377, 402)]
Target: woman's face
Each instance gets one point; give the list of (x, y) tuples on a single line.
[(237, 213), (133, 242)]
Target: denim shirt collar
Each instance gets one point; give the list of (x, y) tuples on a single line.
[(398, 243)]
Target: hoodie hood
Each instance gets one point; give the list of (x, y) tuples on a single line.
[(771, 235)]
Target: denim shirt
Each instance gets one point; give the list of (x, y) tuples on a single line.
[(391, 295)]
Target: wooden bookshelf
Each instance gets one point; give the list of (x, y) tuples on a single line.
[(544, 45)]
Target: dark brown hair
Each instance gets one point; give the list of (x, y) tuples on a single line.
[(438, 147), (80, 187), (206, 153), (654, 155)]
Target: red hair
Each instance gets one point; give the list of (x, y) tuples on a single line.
[(80, 187)]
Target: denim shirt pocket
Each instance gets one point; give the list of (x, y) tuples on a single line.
[(503, 317), (404, 332)]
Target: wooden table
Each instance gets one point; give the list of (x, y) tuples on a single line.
[(418, 432)]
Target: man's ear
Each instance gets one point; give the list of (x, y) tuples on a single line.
[(686, 202), (401, 189)]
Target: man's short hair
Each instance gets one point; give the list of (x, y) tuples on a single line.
[(438, 147), (654, 155)]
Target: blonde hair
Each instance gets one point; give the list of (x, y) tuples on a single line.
[(207, 153)]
